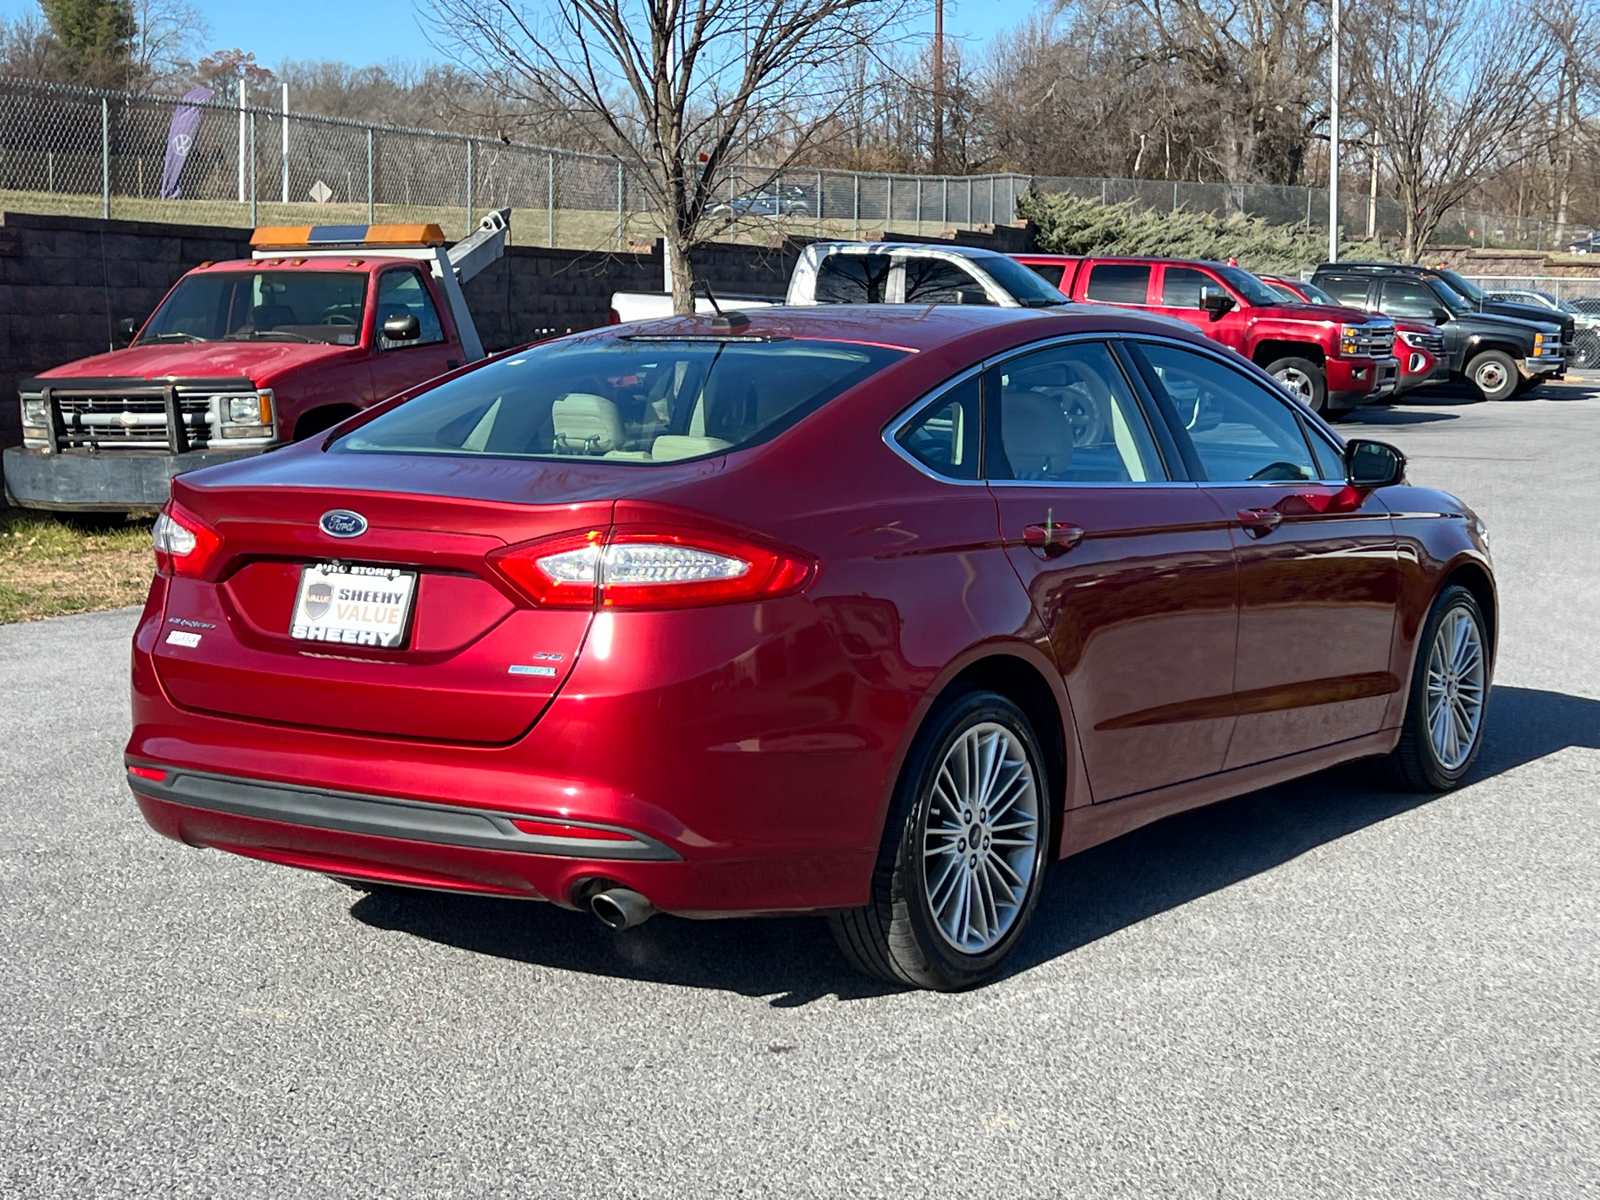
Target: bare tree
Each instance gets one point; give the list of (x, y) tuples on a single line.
[(675, 87), (1453, 90), (167, 34)]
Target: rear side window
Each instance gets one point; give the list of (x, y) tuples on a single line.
[(853, 279), (624, 399), (944, 437), (1067, 415), (1346, 289), (1118, 283)]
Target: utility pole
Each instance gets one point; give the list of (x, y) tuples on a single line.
[(1333, 144), (1372, 196), (286, 143), (938, 86)]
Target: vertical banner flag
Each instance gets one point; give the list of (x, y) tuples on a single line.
[(180, 140)]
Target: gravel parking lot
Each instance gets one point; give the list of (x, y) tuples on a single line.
[(1315, 990)]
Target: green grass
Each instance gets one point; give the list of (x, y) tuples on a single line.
[(50, 566)]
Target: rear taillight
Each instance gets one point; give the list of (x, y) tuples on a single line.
[(185, 545), (649, 568)]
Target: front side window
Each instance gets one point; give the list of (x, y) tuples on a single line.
[(1404, 298), (1181, 287), (1118, 283), (625, 399), (1242, 430), (1067, 415), (265, 306), (403, 294), (935, 281), (853, 279), (1346, 289), (944, 436)]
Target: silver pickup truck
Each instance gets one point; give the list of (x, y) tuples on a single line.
[(877, 273)]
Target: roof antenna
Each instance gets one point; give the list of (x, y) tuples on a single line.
[(723, 322)]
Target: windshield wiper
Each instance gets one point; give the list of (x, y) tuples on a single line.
[(256, 334), (174, 335)]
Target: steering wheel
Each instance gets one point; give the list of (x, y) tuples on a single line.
[(1280, 470), (334, 318)]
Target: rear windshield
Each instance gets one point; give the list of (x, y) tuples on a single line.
[(629, 400), (265, 306)]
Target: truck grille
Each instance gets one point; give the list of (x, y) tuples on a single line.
[(113, 421), (1371, 341)]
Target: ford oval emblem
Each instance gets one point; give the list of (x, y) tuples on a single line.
[(342, 523)]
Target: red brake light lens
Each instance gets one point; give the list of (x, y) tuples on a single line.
[(184, 544), (650, 568)]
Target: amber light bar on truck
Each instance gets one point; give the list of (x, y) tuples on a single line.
[(302, 237)]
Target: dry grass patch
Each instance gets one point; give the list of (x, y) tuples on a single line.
[(50, 566)]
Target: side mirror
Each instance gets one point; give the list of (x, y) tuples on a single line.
[(1369, 464), (402, 329), (1215, 302), (127, 329)]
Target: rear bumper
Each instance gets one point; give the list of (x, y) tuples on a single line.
[(109, 482)]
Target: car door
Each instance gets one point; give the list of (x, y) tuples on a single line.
[(397, 365), (1318, 567), (1129, 566)]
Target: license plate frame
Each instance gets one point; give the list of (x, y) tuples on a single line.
[(365, 607)]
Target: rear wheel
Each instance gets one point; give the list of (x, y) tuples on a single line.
[(963, 856), (1494, 375), (1305, 381), (1443, 729)]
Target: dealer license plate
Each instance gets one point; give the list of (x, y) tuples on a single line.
[(353, 606)]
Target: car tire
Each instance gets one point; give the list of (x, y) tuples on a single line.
[(920, 927), (1447, 700), (1494, 375), (1306, 381)]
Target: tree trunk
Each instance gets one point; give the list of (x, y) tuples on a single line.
[(682, 275)]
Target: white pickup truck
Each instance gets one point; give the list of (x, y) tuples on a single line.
[(877, 273)]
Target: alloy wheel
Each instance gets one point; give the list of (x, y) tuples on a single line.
[(1455, 688), (1300, 384), (982, 834)]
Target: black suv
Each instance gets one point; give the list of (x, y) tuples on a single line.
[(1501, 348)]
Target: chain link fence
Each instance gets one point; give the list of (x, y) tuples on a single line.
[(90, 153)]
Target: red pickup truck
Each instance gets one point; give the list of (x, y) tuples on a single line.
[(1332, 358), (241, 357)]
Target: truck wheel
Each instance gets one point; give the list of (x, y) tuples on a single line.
[(1304, 380), (1494, 375)]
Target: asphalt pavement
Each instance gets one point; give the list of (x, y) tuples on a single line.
[(1318, 990)]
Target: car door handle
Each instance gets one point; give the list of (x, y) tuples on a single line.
[(1051, 538), (1258, 522)]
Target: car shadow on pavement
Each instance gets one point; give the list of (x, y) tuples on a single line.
[(1093, 894)]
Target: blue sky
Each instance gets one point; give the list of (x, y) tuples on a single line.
[(367, 31)]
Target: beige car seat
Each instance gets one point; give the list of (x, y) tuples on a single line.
[(585, 424)]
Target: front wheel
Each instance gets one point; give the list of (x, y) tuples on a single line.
[(1443, 729), (963, 856), (1494, 375), (1305, 381)]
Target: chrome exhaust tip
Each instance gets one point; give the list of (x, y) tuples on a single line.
[(621, 908)]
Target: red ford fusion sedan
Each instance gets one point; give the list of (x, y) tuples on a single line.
[(861, 611)]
